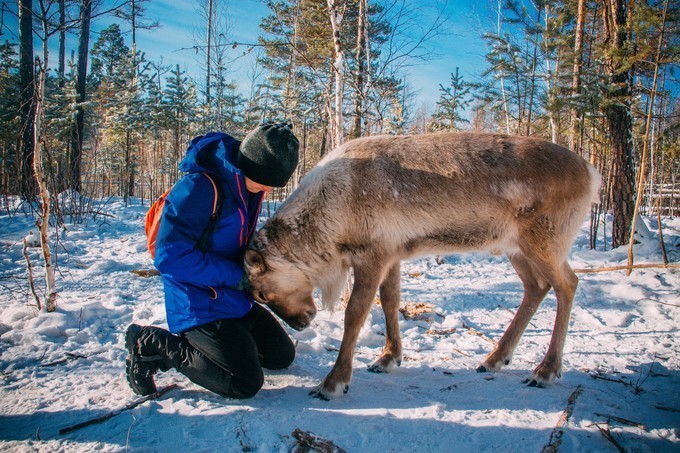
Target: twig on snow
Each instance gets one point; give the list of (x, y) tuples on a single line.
[(637, 388), (606, 432), (659, 302), (242, 439), (666, 408), (623, 421), (29, 268), (477, 333), (69, 356), (558, 431), (127, 438), (113, 413)]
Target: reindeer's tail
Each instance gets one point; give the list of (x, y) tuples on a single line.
[(595, 181)]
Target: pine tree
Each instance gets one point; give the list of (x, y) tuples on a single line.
[(26, 98), (618, 118), (452, 103), (78, 129), (118, 104), (179, 103), (9, 124)]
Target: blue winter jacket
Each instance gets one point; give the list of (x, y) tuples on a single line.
[(199, 284)]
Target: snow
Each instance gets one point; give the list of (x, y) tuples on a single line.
[(60, 369)]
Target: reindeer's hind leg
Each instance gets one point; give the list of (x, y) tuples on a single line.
[(390, 290), (535, 289), (563, 280)]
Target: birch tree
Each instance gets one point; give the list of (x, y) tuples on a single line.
[(645, 140), (362, 54), (43, 222), (335, 14)]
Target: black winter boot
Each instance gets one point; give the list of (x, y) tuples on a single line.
[(140, 369)]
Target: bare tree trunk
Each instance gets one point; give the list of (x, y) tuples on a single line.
[(26, 98), (44, 220), (338, 69), (532, 83), (290, 100), (551, 79), (645, 141), (61, 71), (207, 58), (361, 68), (619, 121), (129, 175), (576, 80), (75, 160), (503, 92)]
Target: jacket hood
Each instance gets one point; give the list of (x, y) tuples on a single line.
[(215, 152)]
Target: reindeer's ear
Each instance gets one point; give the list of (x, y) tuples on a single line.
[(254, 261)]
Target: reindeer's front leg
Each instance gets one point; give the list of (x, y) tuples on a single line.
[(366, 282), (390, 294)]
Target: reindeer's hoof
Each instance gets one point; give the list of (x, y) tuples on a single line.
[(534, 383), (376, 368), (316, 393), (322, 393), (379, 367), (545, 374), (384, 365), (492, 364)]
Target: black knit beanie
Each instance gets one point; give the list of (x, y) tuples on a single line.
[(269, 154)]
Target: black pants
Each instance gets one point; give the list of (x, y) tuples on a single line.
[(225, 356)]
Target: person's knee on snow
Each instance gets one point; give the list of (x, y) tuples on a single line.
[(224, 187)]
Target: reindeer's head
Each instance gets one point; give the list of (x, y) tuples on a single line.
[(279, 283)]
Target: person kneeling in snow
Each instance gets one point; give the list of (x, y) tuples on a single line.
[(219, 337)]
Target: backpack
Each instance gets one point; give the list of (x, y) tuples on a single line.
[(152, 220)]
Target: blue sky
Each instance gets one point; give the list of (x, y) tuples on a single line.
[(459, 47)]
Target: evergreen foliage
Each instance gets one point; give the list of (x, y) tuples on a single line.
[(551, 71)]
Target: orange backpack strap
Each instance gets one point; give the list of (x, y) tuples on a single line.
[(153, 217), (152, 222)]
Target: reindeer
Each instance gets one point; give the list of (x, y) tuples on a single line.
[(376, 201)]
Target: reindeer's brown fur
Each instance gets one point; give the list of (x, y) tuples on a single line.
[(376, 201)]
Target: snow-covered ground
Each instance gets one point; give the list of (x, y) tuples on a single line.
[(621, 365)]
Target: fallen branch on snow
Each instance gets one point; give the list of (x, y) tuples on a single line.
[(145, 272), (606, 432), (625, 268), (637, 388), (111, 414), (477, 333), (69, 356), (307, 441), (623, 421), (558, 431)]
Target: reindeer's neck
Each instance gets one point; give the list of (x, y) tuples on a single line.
[(309, 224)]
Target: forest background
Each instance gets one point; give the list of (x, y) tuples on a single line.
[(101, 119)]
